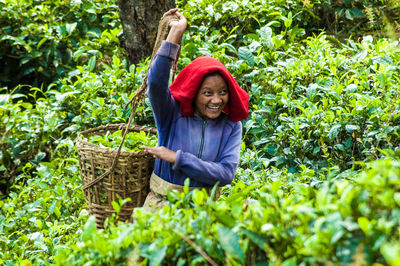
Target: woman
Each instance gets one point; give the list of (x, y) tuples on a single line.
[(198, 120)]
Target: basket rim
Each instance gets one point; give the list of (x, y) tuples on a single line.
[(81, 143)]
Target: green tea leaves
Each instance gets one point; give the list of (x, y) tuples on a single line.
[(246, 55), (230, 243), (133, 140)]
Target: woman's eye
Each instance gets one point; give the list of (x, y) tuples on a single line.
[(207, 93), (223, 92)]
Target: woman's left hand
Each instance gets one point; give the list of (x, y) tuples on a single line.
[(161, 152)]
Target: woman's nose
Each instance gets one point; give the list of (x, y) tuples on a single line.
[(216, 99)]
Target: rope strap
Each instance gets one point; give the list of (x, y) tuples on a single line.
[(163, 29)]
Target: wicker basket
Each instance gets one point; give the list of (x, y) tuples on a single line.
[(107, 174), (128, 179)]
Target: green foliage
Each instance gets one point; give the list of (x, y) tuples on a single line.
[(315, 103), (133, 140), (97, 98), (243, 17), (240, 28), (40, 40), (319, 105), (30, 132), (41, 132), (348, 217), (43, 212), (344, 17)]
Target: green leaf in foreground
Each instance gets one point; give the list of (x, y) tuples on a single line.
[(158, 256), (230, 242), (391, 252), (89, 229)]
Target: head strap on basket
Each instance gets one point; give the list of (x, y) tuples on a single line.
[(163, 30)]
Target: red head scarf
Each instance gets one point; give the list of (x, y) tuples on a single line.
[(187, 83)]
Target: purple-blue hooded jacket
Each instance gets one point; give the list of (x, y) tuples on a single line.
[(207, 150)]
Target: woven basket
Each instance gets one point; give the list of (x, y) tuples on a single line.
[(108, 174), (129, 178)]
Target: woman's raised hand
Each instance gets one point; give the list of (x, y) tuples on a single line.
[(177, 27)]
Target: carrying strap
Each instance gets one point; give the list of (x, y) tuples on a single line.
[(163, 30)]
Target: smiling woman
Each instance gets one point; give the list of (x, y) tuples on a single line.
[(212, 96), (198, 120)]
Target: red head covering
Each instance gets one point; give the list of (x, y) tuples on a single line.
[(187, 83)]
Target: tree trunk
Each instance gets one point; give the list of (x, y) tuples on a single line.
[(139, 20)]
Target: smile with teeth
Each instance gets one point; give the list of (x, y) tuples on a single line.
[(214, 107)]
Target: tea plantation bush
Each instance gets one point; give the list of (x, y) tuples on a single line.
[(276, 220), (318, 181), (319, 105), (41, 40), (32, 133)]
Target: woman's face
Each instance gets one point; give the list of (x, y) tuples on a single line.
[(212, 97)]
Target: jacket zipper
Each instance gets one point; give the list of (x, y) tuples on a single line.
[(203, 129)]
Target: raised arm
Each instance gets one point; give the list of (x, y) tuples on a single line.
[(158, 77), (160, 97)]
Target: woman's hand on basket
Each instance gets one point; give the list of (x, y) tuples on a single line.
[(178, 27), (161, 152)]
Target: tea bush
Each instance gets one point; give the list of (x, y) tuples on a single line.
[(352, 217), (44, 211), (344, 17), (33, 131), (319, 105), (29, 132), (40, 41), (319, 102)]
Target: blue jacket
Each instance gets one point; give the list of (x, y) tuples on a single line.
[(207, 150)]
